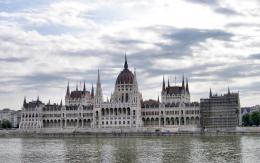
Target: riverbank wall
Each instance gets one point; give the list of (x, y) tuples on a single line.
[(143, 132)]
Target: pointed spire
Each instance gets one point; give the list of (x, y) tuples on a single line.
[(158, 100), (98, 95), (24, 101), (61, 102), (168, 82), (68, 89), (98, 79), (38, 99), (49, 102), (84, 87), (163, 84), (210, 93), (183, 84), (187, 86), (126, 65), (228, 91), (92, 91)]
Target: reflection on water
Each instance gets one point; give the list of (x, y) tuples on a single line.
[(142, 150)]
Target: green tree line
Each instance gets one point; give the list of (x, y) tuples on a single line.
[(251, 119), (5, 124)]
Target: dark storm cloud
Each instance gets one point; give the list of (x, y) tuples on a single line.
[(184, 39), (253, 87), (13, 59), (242, 24), (234, 71), (205, 2), (226, 11), (121, 41), (254, 56), (82, 53), (181, 43), (40, 79), (215, 5)]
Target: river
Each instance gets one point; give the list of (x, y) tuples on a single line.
[(181, 148)]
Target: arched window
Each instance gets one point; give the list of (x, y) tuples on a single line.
[(126, 97), (122, 99)]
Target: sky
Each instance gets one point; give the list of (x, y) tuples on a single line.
[(44, 44)]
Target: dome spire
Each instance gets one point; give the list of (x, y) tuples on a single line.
[(126, 65)]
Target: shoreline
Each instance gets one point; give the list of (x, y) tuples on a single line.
[(34, 134)]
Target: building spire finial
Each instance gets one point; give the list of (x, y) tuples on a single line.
[(24, 101), (92, 91), (98, 94), (163, 84), (126, 65), (187, 86), (84, 87), (210, 93), (68, 89), (183, 84)]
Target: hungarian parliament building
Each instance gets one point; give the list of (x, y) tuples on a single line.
[(87, 110)]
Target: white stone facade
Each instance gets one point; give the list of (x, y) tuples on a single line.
[(84, 110)]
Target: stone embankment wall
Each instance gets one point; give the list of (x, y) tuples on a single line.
[(122, 132)]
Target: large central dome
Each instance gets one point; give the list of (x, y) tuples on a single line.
[(125, 76)]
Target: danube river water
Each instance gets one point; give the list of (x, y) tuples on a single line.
[(195, 149)]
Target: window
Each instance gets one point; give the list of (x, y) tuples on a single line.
[(126, 97), (122, 99)]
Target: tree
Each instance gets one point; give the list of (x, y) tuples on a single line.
[(6, 124), (255, 117), (246, 119)]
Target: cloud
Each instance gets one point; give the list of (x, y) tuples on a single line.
[(227, 11), (217, 7), (13, 59), (205, 2), (254, 56), (45, 44), (242, 24)]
